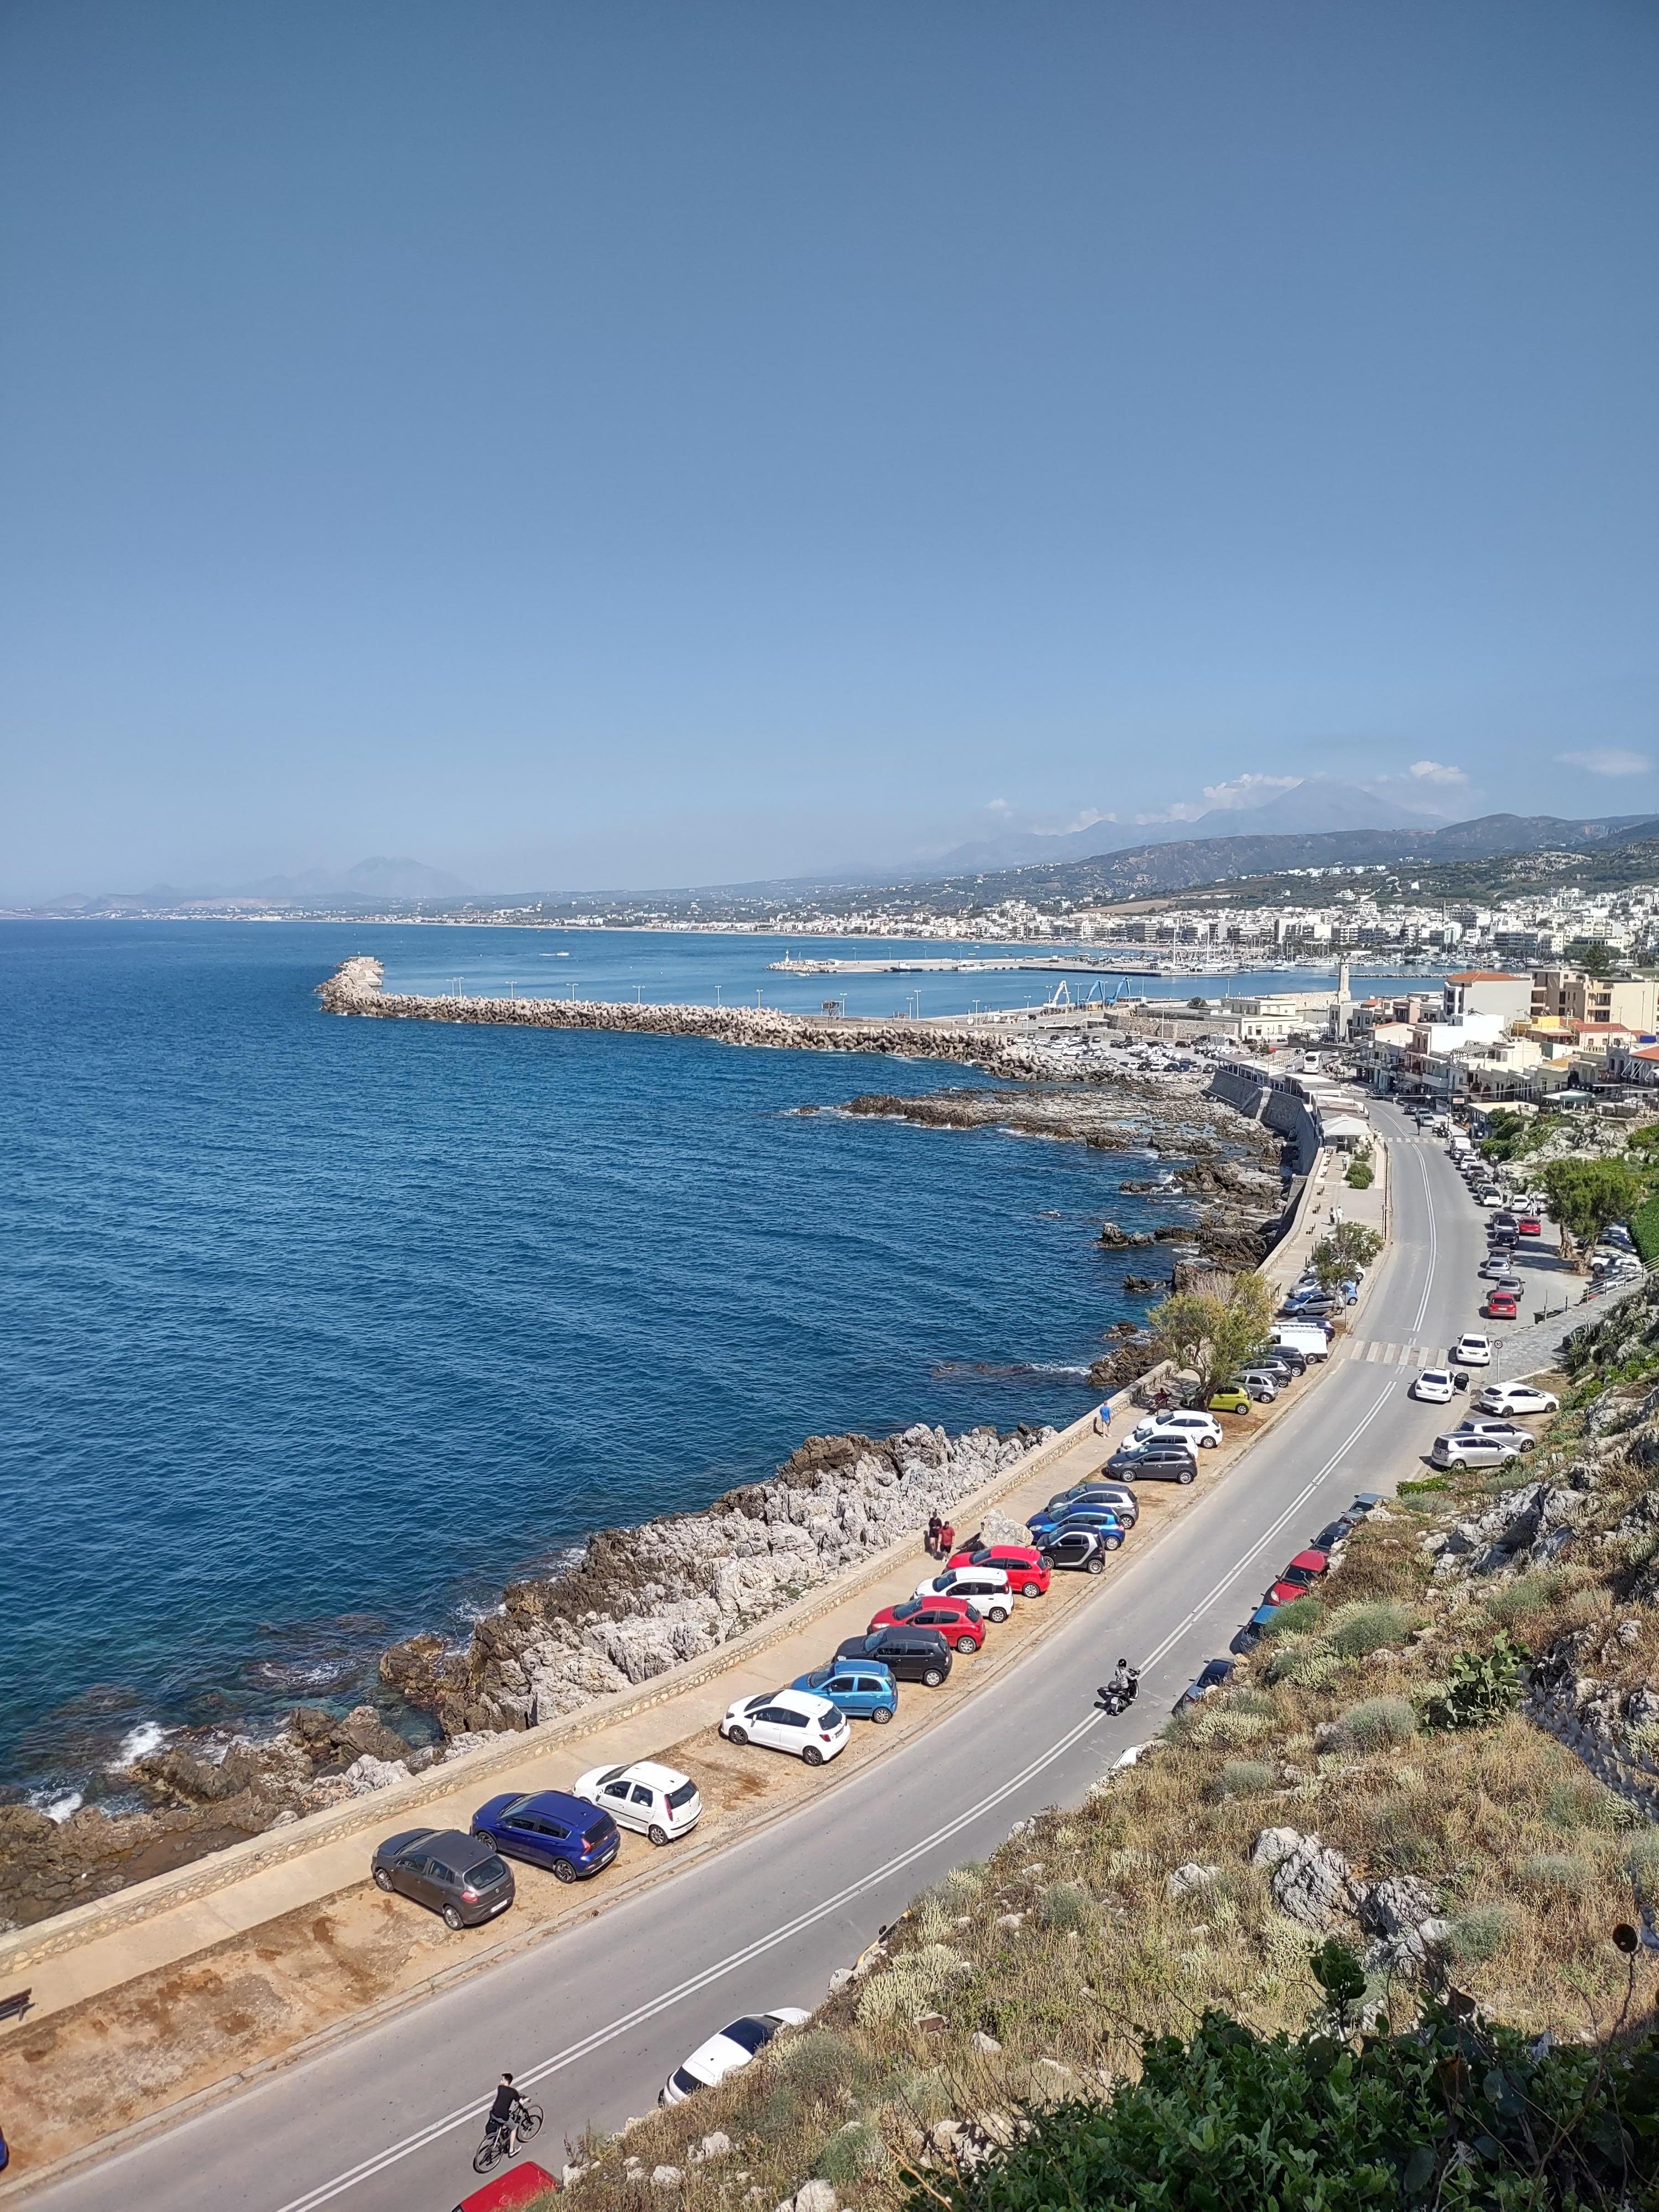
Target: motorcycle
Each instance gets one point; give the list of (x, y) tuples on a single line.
[(1115, 1697)]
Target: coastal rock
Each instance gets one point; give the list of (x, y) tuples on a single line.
[(1310, 1883)]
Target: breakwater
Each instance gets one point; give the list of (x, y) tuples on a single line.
[(357, 987)]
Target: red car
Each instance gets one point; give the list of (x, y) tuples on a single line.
[(1499, 1306), (961, 1624), (518, 2186), (1028, 1572), (1298, 1578), (1529, 1224)]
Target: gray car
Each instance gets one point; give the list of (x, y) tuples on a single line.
[(460, 1876), (1461, 1449)]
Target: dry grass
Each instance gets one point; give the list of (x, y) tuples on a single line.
[(1037, 1975)]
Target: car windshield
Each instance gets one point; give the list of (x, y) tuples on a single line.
[(684, 2082), (599, 1831), (750, 2034), (907, 1610), (683, 1796)]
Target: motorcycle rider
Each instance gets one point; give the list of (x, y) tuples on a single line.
[(1120, 1692)]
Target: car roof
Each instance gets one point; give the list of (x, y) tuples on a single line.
[(459, 1850), (404, 1838), (806, 1700), (562, 1804), (1311, 1559)]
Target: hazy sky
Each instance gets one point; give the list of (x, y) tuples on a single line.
[(582, 445)]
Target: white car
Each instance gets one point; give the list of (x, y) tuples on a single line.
[(1472, 1350), (1495, 1267), (1197, 1428), (984, 1587), (658, 1800), (1434, 1386), (724, 2053), (788, 1720), (1514, 1398)]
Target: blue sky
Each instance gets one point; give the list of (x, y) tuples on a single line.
[(631, 443)]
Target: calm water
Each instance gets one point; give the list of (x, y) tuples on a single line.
[(316, 1330)]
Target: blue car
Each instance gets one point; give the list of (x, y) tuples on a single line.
[(567, 1835), (1254, 1629), (1074, 1516), (863, 1689)]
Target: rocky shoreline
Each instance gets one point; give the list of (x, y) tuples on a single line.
[(634, 1603)]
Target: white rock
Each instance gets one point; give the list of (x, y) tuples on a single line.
[(987, 2044), (718, 2145), (666, 2177)]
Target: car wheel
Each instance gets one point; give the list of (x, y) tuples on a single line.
[(452, 1918), (1030, 1589), (1049, 1561), (1185, 1475), (1209, 1443), (932, 1678), (998, 1613), (735, 1734), (1112, 1543), (812, 1756), (1096, 1565), (881, 1715), (382, 1878), (658, 1836), (563, 1871), (966, 1644)]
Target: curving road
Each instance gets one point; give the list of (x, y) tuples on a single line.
[(386, 2121)]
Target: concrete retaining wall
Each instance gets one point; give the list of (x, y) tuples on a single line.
[(1293, 1117)]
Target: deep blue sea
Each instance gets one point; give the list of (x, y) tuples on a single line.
[(316, 1330)]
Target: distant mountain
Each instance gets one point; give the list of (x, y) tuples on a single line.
[(1150, 868), (376, 879), (1316, 805)]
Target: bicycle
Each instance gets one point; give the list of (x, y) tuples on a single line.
[(493, 2149)]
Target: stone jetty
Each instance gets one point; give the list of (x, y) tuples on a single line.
[(357, 987)]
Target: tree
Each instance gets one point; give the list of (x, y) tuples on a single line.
[(1213, 1326), (1593, 958), (1350, 1245), (1584, 1195)]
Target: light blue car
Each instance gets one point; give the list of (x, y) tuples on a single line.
[(863, 1689)]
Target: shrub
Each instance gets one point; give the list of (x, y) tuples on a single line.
[(1581, 1804), (1304, 1616), (1478, 1932), (1562, 1870), (1360, 1630), (1453, 2113), (1065, 1907), (823, 2063), (1530, 1594), (1308, 1662), (1361, 1174), (1481, 1686), (1373, 1725), (1246, 1777), (851, 2153), (908, 1986)]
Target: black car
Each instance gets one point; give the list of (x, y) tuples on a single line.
[(1162, 1461), (1214, 1673), (913, 1654), (459, 1876), (1072, 1545), (1284, 1356)]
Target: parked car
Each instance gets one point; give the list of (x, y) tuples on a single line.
[(986, 1587), (1263, 1383), (463, 1878), (788, 1720), (659, 1801), (1433, 1385), (1500, 1305), (1170, 1461), (1204, 1429), (1299, 1577), (1212, 1676), (863, 1690), (1235, 1398), (1490, 1196), (1616, 1233), (1472, 1350), (1461, 1449), (1335, 1533), (568, 1835), (1254, 1630), (1114, 1497), (1085, 1548), (521, 2184), (1022, 1563), (909, 1655), (1495, 1267), (724, 2053), (1529, 1224), (1517, 1398), (1523, 1439), (1504, 1219), (958, 1621), (1366, 1501), (1310, 1338)]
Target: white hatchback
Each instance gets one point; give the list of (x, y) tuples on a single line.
[(986, 1588), (1472, 1350), (659, 1801), (1197, 1428), (788, 1720), (1514, 1398), (1434, 1386), (724, 2053)]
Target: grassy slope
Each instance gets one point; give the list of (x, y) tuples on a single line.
[(1068, 1944)]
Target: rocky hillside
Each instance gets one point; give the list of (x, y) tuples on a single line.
[(1433, 1787)]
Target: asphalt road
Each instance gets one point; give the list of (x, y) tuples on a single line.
[(597, 2017)]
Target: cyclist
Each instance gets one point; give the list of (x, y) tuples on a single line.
[(505, 2111)]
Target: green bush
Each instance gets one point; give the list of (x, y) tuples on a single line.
[(1644, 1230), (1246, 1777), (1563, 1870), (1481, 1686), (851, 2153), (1065, 1907), (1581, 1804), (1453, 2114), (1361, 1174), (1373, 1725), (1360, 1630), (1304, 1616), (1479, 1933)]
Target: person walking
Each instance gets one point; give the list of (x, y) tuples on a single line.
[(934, 1528), (947, 1541)]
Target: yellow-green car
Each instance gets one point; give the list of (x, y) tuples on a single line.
[(1232, 1400)]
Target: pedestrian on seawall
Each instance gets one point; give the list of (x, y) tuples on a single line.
[(932, 1538)]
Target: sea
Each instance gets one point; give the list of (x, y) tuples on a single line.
[(315, 1331)]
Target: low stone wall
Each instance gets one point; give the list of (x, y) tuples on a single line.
[(1293, 1117)]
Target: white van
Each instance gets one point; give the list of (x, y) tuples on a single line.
[(1311, 1343)]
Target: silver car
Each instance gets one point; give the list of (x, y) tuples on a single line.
[(1461, 1449)]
